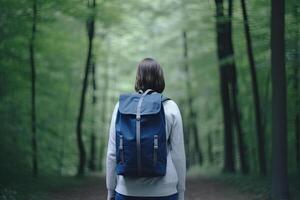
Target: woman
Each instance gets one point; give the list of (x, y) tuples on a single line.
[(171, 186)]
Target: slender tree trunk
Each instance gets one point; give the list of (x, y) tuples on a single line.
[(256, 98), (296, 64), (223, 56), (105, 90), (92, 161), (210, 149), (63, 139), (199, 155), (192, 115), (229, 161), (62, 154), (103, 115), (62, 147), (240, 137), (297, 141), (92, 164), (80, 143), (279, 189), (187, 125), (33, 95), (242, 148)]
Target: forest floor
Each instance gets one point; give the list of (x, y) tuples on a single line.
[(198, 188)]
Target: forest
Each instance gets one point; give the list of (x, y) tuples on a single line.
[(232, 67)]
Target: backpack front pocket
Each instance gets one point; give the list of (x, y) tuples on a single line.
[(155, 149)]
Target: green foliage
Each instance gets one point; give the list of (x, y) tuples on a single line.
[(126, 32)]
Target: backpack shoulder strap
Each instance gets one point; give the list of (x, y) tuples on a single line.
[(164, 98)]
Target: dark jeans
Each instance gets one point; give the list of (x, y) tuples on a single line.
[(123, 197)]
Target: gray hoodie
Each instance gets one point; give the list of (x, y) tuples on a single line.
[(174, 180)]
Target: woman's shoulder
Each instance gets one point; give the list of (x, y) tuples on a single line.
[(169, 102), (171, 106)]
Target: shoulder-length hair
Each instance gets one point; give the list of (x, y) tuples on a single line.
[(149, 76)]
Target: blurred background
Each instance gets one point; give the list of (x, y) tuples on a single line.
[(63, 64)]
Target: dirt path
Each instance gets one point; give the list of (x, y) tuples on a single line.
[(197, 189)]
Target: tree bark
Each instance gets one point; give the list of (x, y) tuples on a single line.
[(256, 96), (33, 90), (279, 188), (92, 161), (210, 149), (63, 138), (223, 57), (80, 143), (192, 114), (240, 136), (242, 148), (105, 104), (296, 84)]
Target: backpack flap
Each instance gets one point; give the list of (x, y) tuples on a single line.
[(150, 105)]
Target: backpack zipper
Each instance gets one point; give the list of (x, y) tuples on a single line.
[(155, 148), (121, 149)]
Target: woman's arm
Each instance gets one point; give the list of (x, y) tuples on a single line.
[(111, 176), (177, 151)]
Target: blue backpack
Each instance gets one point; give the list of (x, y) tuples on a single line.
[(141, 143)]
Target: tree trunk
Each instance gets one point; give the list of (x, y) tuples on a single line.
[(279, 189), (296, 84), (242, 148), (256, 98), (33, 80), (240, 136), (199, 155), (92, 161), (223, 57), (63, 138), (92, 164), (81, 148), (104, 92), (210, 149), (192, 114), (103, 116)]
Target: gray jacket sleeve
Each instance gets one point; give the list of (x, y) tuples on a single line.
[(111, 176), (177, 151)]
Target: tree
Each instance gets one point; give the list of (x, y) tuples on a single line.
[(256, 98), (105, 90), (296, 81), (279, 189), (90, 25), (210, 149), (92, 161), (229, 165), (242, 148), (192, 115), (228, 87), (33, 88)]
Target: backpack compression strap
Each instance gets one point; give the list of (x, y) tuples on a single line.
[(138, 130)]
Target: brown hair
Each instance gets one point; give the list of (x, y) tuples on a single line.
[(149, 76)]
